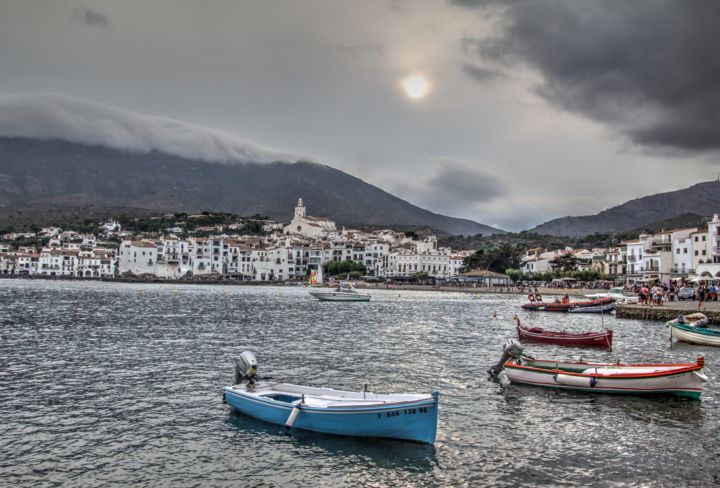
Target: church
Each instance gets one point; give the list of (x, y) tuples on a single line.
[(304, 225)]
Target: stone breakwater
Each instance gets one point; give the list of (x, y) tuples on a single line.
[(662, 313)]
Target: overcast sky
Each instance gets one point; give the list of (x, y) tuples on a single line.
[(534, 110)]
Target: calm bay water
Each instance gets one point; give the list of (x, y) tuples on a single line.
[(104, 384)]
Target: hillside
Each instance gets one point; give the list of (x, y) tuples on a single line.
[(37, 174), (700, 199)]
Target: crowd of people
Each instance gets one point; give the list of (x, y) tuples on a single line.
[(658, 293)]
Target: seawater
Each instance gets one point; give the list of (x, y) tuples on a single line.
[(121, 384)]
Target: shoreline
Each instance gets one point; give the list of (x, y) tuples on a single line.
[(628, 311), (497, 290)]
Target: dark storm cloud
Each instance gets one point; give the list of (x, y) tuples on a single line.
[(91, 17), (478, 73), (649, 69), (459, 184)]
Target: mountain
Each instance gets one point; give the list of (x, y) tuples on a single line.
[(39, 173), (700, 199)]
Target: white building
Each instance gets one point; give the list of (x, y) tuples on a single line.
[(682, 252), (111, 226), (137, 257), (303, 225)]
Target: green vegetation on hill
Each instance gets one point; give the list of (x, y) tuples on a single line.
[(89, 220)]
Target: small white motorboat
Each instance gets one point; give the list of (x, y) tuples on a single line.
[(411, 417), (345, 292), (617, 293)]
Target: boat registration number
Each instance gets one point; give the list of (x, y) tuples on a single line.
[(404, 411)]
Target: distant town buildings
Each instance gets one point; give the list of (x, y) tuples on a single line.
[(288, 252), (293, 251), (666, 255)]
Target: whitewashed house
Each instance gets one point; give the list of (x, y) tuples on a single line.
[(137, 257), (682, 252)]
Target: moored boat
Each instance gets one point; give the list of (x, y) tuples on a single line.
[(694, 319), (411, 417), (562, 338), (692, 328), (617, 293), (682, 379), (567, 305), (342, 293), (600, 308)]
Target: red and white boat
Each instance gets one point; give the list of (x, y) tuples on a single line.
[(676, 379), (573, 339)]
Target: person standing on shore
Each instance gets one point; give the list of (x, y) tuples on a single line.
[(701, 298)]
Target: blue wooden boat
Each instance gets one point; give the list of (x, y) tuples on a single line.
[(411, 417)]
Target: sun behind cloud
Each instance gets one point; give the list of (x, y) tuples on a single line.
[(415, 87)]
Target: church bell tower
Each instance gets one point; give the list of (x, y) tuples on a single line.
[(300, 209)]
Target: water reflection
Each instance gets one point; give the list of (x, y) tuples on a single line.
[(376, 453), (663, 410)]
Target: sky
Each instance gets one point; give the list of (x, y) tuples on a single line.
[(519, 112)]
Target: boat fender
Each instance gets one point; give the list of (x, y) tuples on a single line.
[(578, 381), (293, 417)]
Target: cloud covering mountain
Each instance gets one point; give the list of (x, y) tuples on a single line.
[(56, 116)]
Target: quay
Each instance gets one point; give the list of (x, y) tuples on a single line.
[(668, 311)]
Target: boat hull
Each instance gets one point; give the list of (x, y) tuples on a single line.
[(411, 421), (609, 307), (340, 297), (581, 339), (566, 307), (683, 381), (687, 333)]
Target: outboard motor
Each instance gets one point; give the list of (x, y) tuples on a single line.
[(246, 370), (511, 349)]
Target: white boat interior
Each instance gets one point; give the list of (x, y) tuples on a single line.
[(326, 397), (623, 370)]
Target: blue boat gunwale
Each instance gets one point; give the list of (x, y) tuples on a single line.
[(350, 409)]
